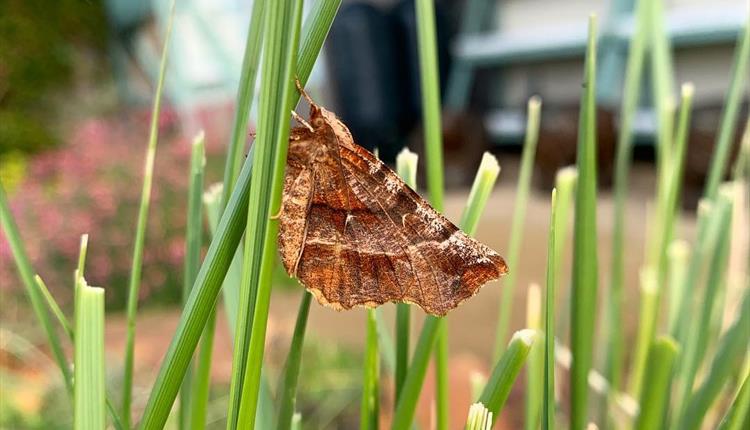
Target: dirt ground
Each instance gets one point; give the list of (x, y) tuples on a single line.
[(472, 326)]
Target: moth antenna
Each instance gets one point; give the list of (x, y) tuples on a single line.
[(302, 91), (301, 120)]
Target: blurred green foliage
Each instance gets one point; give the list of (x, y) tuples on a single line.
[(38, 38)]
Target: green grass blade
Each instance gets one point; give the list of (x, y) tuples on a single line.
[(31, 288), (134, 282), (728, 359), (433, 135), (585, 266), (407, 402), (193, 240), (548, 390), (82, 251), (646, 326), (201, 386), (506, 370), (231, 287), (481, 188), (281, 41), (662, 70), (222, 248), (631, 93), (717, 245), (287, 388), (54, 307), (90, 399), (677, 256), (370, 406), (519, 218), (406, 166), (730, 113), (535, 366), (654, 400), (739, 410), (565, 184), (245, 94)]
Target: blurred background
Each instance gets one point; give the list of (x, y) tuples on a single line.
[(76, 83)]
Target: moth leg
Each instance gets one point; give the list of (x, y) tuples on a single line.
[(302, 121), (303, 92), (277, 215)]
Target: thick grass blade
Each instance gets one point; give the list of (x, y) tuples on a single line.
[(519, 220), (134, 282), (193, 240), (585, 266), (32, 290), (739, 410), (731, 351), (548, 389), (655, 397), (90, 398), (222, 248), (433, 135), (287, 388), (484, 181), (370, 405), (406, 166), (280, 50), (730, 113), (506, 370)]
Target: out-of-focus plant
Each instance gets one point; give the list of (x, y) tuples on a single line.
[(91, 185)]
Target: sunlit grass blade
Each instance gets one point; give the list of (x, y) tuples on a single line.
[(506, 370), (479, 418), (369, 414), (717, 246), (548, 388), (222, 248), (245, 94), (518, 223), (282, 28), (31, 288), (406, 166), (484, 181), (585, 266), (731, 111), (193, 240), (730, 353), (739, 410), (433, 135), (90, 399), (134, 281), (535, 367), (287, 388), (481, 188), (654, 399), (662, 70)]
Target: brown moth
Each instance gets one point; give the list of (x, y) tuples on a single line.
[(355, 234)]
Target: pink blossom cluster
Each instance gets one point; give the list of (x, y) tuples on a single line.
[(92, 184)]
